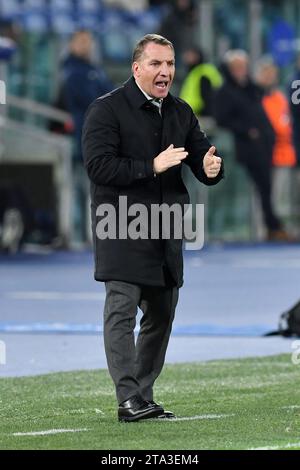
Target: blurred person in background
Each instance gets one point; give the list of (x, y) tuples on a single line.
[(294, 101), (238, 108), (82, 82), (134, 142), (199, 87), (294, 95), (276, 106), (179, 25)]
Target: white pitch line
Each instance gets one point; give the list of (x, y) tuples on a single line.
[(290, 407), (47, 295), (192, 418), (49, 431), (284, 446)]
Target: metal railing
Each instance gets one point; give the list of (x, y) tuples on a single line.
[(44, 110)]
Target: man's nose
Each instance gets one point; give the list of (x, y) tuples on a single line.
[(164, 70)]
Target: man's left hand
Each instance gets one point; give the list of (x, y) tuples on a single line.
[(211, 163)]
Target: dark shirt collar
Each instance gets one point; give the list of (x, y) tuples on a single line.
[(137, 97)]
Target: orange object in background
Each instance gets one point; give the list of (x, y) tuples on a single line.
[(277, 109)]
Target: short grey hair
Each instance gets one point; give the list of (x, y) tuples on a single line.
[(142, 43), (263, 63), (234, 54)]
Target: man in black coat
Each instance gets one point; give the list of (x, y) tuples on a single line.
[(238, 108), (134, 141)]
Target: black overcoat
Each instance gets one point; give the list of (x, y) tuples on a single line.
[(122, 134)]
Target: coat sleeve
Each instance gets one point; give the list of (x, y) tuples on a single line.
[(101, 150), (197, 145)]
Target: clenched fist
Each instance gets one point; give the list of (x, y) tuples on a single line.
[(211, 163)]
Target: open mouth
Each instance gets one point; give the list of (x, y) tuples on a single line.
[(162, 85)]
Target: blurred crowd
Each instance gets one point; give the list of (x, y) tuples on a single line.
[(244, 98)]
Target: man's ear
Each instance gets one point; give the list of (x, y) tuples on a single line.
[(136, 69)]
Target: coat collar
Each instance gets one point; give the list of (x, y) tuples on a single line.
[(137, 97)]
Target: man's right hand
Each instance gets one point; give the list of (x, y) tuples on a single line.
[(168, 158)]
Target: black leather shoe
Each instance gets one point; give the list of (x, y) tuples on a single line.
[(163, 414), (135, 408)]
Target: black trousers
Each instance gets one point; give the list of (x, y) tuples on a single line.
[(260, 171), (135, 367)]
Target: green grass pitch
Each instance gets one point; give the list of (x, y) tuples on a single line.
[(228, 404)]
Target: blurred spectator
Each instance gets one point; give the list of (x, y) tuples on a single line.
[(178, 25), (276, 106), (294, 93), (295, 110), (201, 82), (239, 109), (83, 81)]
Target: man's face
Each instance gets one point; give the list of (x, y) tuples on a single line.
[(239, 69), (268, 76), (155, 70), (82, 45)]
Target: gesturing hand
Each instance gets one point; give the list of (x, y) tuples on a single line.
[(168, 158), (211, 163)]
